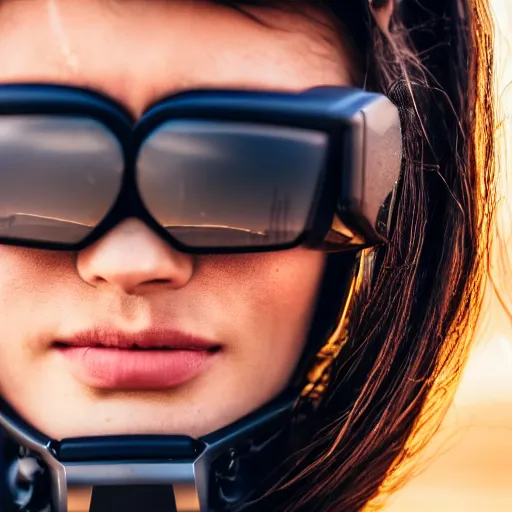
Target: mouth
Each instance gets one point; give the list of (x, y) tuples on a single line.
[(146, 360)]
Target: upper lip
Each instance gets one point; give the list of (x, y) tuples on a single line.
[(146, 339)]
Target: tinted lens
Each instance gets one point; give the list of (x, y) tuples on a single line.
[(59, 176), (213, 184)]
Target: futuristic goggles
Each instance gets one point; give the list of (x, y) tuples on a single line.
[(209, 171)]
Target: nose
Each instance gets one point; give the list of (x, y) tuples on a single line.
[(132, 257)]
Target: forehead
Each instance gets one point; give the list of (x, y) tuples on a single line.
[(138, 50)]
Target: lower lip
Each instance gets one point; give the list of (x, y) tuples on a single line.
[(126, 369)]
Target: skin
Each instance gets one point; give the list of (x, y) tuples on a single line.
[(257, 307)]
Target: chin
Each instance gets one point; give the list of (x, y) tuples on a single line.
[(137, 422)]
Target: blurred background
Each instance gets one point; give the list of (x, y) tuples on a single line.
[(468, 465)]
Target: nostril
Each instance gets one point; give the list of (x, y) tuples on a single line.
[(96, 280), (159, 281)]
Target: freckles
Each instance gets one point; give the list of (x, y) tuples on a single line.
[(16, 270), (23, 270), (280, 279), (297, 269)]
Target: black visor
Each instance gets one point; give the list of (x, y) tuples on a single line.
[(228, 183), (210, 171)]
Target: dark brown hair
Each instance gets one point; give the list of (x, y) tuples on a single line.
[(410, 331)]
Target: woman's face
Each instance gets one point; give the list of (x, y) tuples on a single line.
[(245, 316)]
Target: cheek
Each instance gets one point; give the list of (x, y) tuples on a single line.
[(29, 273), (31, 294), (265, 281), (20, 277), (270, 298), (264, 304), (288, 284)]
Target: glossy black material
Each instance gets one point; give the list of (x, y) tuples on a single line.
[(330, 119), (127, 447), (135, 498)]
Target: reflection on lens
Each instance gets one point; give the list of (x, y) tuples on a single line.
[(36, 227), (213, 184), (59, 176), (210, 236)]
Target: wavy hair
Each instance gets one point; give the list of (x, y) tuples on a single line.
[(410, 331)]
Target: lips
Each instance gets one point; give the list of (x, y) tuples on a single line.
[(148, 339), (151, 359)]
